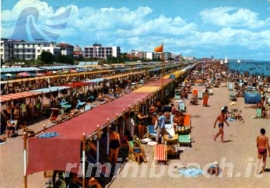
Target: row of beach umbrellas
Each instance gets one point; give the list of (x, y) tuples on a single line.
[(28, 74)]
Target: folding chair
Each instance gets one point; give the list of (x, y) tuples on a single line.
[(200, 95), (160, 153), (182, 106), (79, 104), (258, 113), (184, 139), (133, 154)]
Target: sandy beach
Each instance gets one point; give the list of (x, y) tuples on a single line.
[(238, 151)]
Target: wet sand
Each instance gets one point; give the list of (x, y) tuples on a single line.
[(240, 150)]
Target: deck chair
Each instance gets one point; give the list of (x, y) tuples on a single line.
[(54, 115), (230, 87), (233, 96), (200, 95), (151, 132), (258, 113), (184, 139), (205, 99), (182, 106), (133, 155), (79, 104), (160, 153)]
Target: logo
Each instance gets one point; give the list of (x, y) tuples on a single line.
[(28, 28)]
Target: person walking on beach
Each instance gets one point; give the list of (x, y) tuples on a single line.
[(262, 146), (221, 119), (161, 126)]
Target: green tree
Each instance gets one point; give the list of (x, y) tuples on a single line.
[(47, 57), (65, 59)]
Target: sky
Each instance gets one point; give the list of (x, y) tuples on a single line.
[(238, 29)]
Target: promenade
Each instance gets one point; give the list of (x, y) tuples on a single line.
[(239, 149)]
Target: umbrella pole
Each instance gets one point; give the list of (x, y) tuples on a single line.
[(24, 159), (108, 136), (83, 160)]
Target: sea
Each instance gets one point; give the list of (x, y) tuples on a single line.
[(249, 68)]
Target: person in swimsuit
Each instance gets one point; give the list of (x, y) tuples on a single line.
[(221, 119), (114, 145), (263, 146)]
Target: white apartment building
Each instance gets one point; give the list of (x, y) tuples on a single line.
[(149, 55), (99, 51), (19, 49)]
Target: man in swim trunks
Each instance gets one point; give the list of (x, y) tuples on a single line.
[(263, 146), (221, 119)]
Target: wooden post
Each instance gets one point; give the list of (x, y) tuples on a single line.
[(24, 159), (116, 122), (83, 160), (108, 136), (98, 143)]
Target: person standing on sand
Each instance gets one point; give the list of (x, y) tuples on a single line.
[(221, 119), (263, 146)]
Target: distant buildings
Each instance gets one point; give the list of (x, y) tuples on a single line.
[(66, 49), (20, 49), (99, 51), (77, 51)]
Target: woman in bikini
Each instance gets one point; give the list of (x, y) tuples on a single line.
[(114, 145)]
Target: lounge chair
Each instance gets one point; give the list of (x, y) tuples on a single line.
[(151, 132), (182, 106), (205, 99), (186, 128), (233, 96), (79, 104), (258, 113), (54, 115), (200, 95), (184, 139), (160, 153), (133, 154), (230, 86)]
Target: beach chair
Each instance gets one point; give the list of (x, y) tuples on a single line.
[(132, 153), (258, 113), (230, 86), (151, 132), (80, 104), (200, 95), (233, 96), (184, 139), (182, 106), (205, 99), (54, 114), (177, 94), (87, 107), (160, 153), (186, 128)]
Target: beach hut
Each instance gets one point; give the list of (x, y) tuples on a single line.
[(252, 98)]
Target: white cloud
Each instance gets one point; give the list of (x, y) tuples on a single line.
[(232, 17)]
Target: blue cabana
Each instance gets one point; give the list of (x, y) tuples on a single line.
[(252, 98)]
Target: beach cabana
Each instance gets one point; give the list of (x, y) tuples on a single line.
[(252, 98)]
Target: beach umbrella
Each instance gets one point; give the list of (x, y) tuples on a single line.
[(49, 73), (23, 74), (40, 74), (3, 76), (9, 75)]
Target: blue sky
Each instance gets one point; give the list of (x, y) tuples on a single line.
[(239, 29)]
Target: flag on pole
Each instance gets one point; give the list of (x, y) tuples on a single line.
[(159, 48)]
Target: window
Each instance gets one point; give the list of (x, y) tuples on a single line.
[(28, 50)]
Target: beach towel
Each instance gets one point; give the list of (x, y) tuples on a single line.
[(190, 172), (48, 135)]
